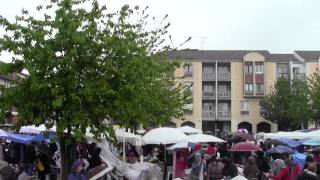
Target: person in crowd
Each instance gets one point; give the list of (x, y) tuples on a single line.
[(23, 175), (95, 158), (309, 173), (277, 165), (77, 171), (197, 167), (299, 157), (181, 165), (230, 170), (251, 170), (43, 165), (29, 159), (309, 159), (289, 172), (215, 169), (212, 150), (263, 164)]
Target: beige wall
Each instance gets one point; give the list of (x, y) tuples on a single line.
[(311, 67), (196, 79), (237, 94), (253, 57)]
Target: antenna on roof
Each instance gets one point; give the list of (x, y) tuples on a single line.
[(202, 38)]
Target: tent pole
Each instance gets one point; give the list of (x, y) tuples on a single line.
[(124, 149)]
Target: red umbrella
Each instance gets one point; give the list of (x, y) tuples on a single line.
[(244, 147)]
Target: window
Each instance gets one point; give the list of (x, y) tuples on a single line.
[(223, 106), (208, 107), (208, 88), (223, 69), (248, 88), (248, 68), (259, 87), (296, 70), (222, 88), (208, 69), (244, 105), (189, 86), (188, 69), (259, 68)]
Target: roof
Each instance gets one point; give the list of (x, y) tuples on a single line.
[(194, 54), (281, 57), (309, 55)]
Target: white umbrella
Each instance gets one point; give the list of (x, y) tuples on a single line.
[(164, 135), (3, 133), (123, 136), (182, 145), (189, 130), (204, 138)]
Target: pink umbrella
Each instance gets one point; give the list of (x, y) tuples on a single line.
[(244, 147)]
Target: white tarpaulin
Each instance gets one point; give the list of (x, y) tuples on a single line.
[(164, 135), (289, 135), (32, 129), (189, 130), (199, 138)]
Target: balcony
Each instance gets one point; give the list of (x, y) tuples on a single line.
[(224, 76), (299, 76), (224, 94), (188, 74), (282, 75), (208, 95), (208, 77), (208, 115), (224, 115)]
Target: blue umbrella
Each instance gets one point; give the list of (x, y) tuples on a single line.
[(312, 142), (289, 142), (182, 145), (280, 149)]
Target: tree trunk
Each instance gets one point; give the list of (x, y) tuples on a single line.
[(68, 154)]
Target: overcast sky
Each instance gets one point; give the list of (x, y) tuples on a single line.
[(279, 26)]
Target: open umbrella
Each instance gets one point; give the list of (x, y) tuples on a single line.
[(289, 142), (164, 135), (244, 147), (245, 136), (312, 142), (182, 145), (204, 138), (98, 172), (280, 149), (189, 130)]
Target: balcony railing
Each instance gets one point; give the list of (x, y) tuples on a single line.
[(282, 75), (224, 94), (299, 76), (208, 113), (224, 76), (209, 77), (208, 95), (224, 115)]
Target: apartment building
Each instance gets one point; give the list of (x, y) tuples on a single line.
[(227, 85)]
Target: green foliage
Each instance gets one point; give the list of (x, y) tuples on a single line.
[(88, 68), (314, 86), (287, 104)]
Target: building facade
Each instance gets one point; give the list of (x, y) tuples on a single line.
[(227, 85)]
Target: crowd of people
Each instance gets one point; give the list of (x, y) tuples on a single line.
[(42, 161), (260, 165)]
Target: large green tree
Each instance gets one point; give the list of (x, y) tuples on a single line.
[(87, 68), (314, 86), (287, 104), (275, 105)]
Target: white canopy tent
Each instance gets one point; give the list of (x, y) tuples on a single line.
[(289, 135), (164, 135), (189, 130), (199, 138)]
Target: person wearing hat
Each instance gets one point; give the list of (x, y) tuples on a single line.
[(77, 174)]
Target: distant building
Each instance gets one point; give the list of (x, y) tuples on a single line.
[(7, 81), (227, 85)]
